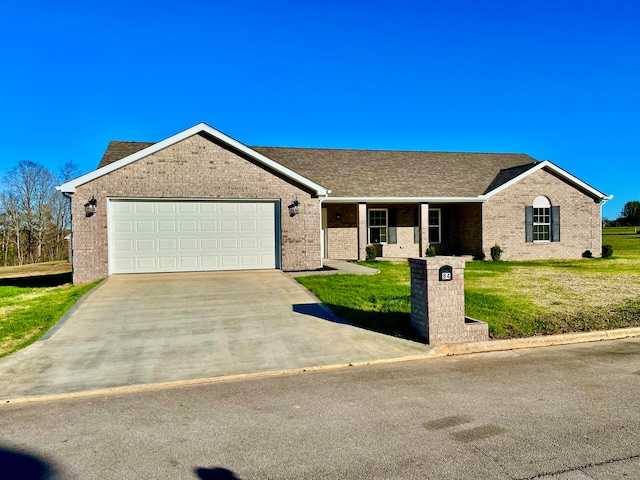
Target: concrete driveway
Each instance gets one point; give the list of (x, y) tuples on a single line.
[(142, 329)]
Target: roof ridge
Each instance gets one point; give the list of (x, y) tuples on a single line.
[(390, 150)]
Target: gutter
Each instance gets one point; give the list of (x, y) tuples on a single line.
[(478, 199)]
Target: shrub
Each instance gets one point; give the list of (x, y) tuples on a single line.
[(607, 251), (431, 251), (496, 253), (371, 252)]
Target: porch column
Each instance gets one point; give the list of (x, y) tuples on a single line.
[(424, 228), (362, 231)]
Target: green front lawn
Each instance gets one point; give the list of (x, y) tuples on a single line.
[(516, 298), (32, 300), (625, 241)]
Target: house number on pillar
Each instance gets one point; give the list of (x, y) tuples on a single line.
[(446, 273)]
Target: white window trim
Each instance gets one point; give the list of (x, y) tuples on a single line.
[(541, 223), (386, 223), (439, 225)]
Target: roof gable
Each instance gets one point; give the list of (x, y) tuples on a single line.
[(547, 165), (111, 163)]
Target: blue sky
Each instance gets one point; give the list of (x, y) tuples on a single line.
[(557, 80)]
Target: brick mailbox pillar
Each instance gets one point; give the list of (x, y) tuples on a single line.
[(437, 302)]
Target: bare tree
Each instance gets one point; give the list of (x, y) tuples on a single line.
[(34, 218)]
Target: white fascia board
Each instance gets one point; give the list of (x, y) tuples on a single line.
[(559, 171), (479, 199), (71, 186)]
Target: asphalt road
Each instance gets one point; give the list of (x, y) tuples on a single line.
[(569, 412)]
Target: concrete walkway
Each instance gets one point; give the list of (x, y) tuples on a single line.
[(143, 329), (337, 267)]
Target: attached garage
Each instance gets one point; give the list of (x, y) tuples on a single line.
[(158, 235), (196, 201)]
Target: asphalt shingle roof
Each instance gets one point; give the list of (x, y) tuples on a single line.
[(118, 150), (384, 173)]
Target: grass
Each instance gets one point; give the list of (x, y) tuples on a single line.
[(624, 240), (517, 299), (32, 299), (377, 302)]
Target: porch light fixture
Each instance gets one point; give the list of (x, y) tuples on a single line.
[(337, 215), (90, 207), (294, 208)]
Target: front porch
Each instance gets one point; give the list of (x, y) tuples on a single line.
[(401, 230)]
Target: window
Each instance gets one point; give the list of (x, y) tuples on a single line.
[(542, 221), (377, 225), (435, 226)]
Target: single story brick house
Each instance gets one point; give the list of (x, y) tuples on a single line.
[(200, 200)]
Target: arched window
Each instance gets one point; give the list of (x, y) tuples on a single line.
[(542, 221)]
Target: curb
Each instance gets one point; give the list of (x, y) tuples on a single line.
[(538, 341), (431, 352)]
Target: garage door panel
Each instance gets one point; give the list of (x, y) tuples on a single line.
[(249, 208), (209, 244), (145, 226), (146, 263), (124, 226), (208, 226), (166, 226), (250, 260), (165, 244), (123, 207), (166, 207), (210, 263), (248, 243), (188, 207), (188, 225), (209, 207), (168, 263), (158, 236), (230, 260), (145, 245), (228, 226), (143, 207), (125, 264), (124, 245), (229, 243), (227, 208)]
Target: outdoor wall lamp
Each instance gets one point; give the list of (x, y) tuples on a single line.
[(90, 207), (294, 208), (337, 215)]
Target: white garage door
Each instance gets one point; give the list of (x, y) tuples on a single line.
[(176, 236)]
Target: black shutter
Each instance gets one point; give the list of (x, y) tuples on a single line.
[(528, 219), (416, 225), (392, 237), (555, 224)]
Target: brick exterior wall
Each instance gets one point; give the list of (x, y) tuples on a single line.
[(503, 219), (469, 229), (437, 307), (342, 233), (193, 168)]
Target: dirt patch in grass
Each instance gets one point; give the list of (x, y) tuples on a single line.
[(36, 269)]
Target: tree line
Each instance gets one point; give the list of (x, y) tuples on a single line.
[(629, 216), (34, 217)]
